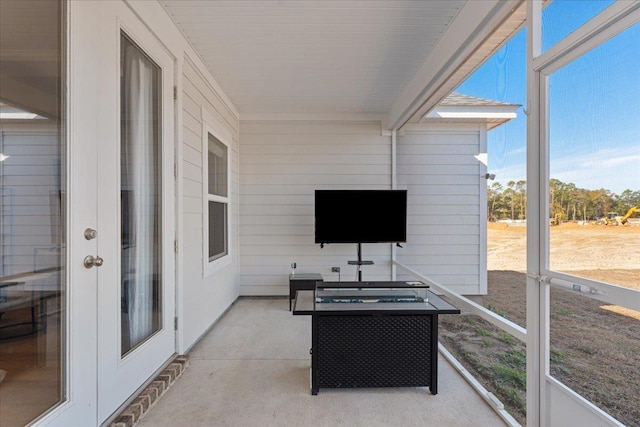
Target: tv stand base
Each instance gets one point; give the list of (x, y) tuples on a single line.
[(359, 262)]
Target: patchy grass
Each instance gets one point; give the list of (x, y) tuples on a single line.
[(586, 349), (558, 356), (594, 351), (509, 376), (563, 311), (497, 311), (483, 332), (507, 338), (495, 358), (486, 343), (515, 358)]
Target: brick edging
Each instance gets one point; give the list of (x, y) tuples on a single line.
[(130, 416)]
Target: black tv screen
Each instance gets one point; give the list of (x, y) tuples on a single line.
[(361, 216)]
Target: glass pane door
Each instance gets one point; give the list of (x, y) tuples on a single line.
[(32, 209), (140, 197)]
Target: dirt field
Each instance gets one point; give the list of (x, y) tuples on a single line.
[(595, 347)]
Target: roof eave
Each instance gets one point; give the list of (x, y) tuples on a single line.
[(472, 41), (487, 122), (491, 116)]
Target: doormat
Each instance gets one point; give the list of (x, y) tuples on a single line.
[(151, 394)]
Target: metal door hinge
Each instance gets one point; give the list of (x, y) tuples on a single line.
[(175, 323), (175, 92), (175, 246), (175, 170)]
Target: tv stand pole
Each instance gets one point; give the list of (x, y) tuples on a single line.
[(360, 262)]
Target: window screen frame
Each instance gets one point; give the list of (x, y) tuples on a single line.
[(540, 277), (211, 127)]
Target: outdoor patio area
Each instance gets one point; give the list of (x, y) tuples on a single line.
[(253, 368)]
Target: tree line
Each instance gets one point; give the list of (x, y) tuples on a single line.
[(567, 200)]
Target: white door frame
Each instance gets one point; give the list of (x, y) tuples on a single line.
[(119, 377)]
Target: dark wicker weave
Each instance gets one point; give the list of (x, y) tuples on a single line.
[(374, 351)]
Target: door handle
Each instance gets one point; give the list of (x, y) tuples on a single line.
[(91, 261), (90, 234)]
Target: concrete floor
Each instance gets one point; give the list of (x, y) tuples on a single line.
[(252, 369)]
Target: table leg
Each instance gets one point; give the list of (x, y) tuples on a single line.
[(314, 355), (433, 388)]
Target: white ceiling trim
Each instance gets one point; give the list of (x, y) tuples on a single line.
[(463, 37)]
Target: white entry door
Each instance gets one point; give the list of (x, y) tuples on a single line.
[(135, 259)]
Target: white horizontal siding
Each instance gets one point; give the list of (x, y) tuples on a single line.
[(314, 159), (290, 145), (29, 205), (302, 189), (278, 277), (357, 169), (274, 178), (439, 169), (203, 297), (283, 163), (343, 251)]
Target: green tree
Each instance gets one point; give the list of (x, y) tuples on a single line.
[(521, 190), (494, 193), (510, 193), (564, 198), (571, 190)]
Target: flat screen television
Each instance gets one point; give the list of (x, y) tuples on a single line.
[(360, 216)]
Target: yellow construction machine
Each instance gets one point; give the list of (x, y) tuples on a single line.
[(610, 219), (630, 212), (613, 218), (556, 220)]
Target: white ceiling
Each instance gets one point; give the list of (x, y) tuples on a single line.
[(313, 56)]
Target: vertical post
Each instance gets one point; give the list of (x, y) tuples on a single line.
[(482, 250), (394, 184), (179, 202), (433, 387), (314, 354), (537, 294), (359, 262)]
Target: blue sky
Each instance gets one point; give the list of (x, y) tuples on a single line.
[(594, 105)]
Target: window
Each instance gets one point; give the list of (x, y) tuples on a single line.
[(140, 196), (216, 197)]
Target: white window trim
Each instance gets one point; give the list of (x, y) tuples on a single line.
[(212, 126)]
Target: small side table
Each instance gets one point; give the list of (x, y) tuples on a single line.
[(302, 281)]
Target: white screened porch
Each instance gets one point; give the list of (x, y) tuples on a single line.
[(256, 104)]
